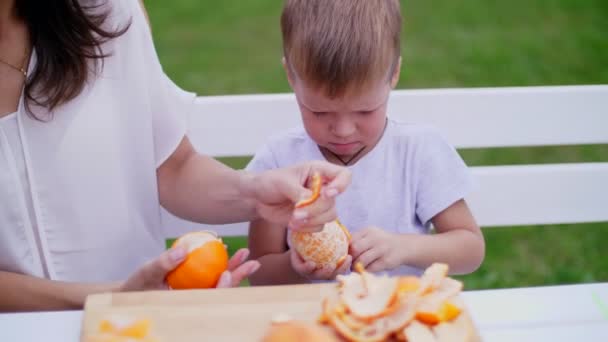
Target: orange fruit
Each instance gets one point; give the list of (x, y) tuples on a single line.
[(326, 248), (207, 259)]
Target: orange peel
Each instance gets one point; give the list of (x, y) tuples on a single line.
[(369, 307), (316, 191)]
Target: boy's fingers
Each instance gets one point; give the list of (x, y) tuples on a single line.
[(359, 246), (324, 273), (368, 257), (300, 265), (345, 265)]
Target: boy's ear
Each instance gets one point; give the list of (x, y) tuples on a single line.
[(396, 73), (288, 73)]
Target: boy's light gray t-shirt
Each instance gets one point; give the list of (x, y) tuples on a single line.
[(411, 175)]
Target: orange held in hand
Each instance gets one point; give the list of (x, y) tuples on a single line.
[(327, 248), (207, 259)]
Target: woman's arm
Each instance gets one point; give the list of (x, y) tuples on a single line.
[(267, 245), (201, 189), (26, 293)]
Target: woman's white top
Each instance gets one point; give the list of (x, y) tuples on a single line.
[(78, 192)]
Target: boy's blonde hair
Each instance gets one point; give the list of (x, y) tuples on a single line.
[(340, 45)]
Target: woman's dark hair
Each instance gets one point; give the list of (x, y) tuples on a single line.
[(67, 36)]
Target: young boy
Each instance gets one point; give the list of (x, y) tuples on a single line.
[(342, 59)]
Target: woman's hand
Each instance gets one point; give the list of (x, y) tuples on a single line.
[(277, 191), (151, 276)]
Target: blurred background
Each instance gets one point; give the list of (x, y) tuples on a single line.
[(234, 47)]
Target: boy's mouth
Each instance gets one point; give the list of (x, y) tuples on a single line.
[(344, 148)]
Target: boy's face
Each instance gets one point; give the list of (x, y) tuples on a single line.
[(347, 124)]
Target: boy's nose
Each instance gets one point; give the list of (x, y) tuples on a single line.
[(344, 128)]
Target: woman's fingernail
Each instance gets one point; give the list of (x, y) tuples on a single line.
[(300, 214), (177, 254), (331, 192)]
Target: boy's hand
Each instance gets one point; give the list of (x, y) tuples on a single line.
[(376, 249), (308, 269)]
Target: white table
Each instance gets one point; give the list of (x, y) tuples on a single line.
[(550, 313)]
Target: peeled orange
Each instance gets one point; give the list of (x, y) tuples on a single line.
[(207, 259), (327, 248)]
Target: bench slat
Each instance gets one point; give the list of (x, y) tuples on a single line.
[(512, 195), (237, 125), (540, 194)]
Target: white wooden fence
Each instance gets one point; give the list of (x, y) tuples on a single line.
[(469, 118)]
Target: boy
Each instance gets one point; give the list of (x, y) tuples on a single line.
[(342, 59)]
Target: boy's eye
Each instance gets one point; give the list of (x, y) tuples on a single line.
[(366, 112), (319, 113)]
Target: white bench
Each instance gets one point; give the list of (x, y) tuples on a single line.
[(470, 118)]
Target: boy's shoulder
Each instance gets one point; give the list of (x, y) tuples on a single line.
[(413, 133), (285, 148)]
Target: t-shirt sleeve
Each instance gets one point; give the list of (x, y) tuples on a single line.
[(169, 105), (443, 177), (263, 160)]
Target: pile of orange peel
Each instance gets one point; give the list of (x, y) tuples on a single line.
[(369, 307)]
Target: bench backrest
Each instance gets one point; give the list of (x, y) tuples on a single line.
[(469, 118)]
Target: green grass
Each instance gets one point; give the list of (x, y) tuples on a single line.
[(234, 47)]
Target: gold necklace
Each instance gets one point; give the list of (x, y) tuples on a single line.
[(22, 69)]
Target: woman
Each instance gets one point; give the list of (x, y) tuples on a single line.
[(92, 142)]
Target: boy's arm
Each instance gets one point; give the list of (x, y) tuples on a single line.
[(267, 245), (458, 242)]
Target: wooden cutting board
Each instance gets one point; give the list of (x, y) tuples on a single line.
[(236, 314)]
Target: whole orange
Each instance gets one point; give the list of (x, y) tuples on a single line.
[(326, 248), (206, 260)]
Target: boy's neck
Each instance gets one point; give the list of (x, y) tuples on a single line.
[(343, 161)]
